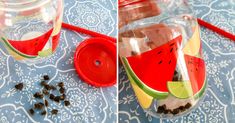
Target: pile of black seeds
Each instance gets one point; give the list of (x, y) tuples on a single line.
[(46, 92), (177, 76), (163, 110)]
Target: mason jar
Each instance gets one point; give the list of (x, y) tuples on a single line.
[(30, 29), (161, 51)]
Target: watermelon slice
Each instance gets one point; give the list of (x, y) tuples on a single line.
[(197, 74), (152, 70), (28, 48)]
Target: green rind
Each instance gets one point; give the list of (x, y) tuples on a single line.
[(14, 50), (155, 94), (201, 92), (132, 82)]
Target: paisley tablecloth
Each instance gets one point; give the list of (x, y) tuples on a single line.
[(88, 104), (219, 54)]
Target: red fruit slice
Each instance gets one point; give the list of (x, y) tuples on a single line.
[(197, 74), (29, 48), (153, 69), (55, 41)]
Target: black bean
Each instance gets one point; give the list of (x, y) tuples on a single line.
[(43, 83), (57, 99), (167, 111), (46, 77), (31, 111), (61, 84), (38, 105), (46, 103), (53, 87), (54, 111), (43, 112), (62, 97), (133, 53), (161, 109), (175, 72), (38, 95), (175, 111), (19, 86), (52, 97), (44, 91), (66, 103), (182, 108), (62, 90), (48, 87), (188, 105), (175, 78)]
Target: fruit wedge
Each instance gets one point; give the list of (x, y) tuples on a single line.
[(182, 90), (152, 70), (144, 99), (197, 74), (28, 48), (193, 45), (45, 53)]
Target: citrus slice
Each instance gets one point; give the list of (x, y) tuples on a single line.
[(45, 53), (180, 89), (193, 45), (144, 99)]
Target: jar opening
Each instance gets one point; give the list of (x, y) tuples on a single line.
[(21, 5)]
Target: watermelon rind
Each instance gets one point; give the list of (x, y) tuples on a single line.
[(201, 91), (144, 99), (7, 44), (154, 93)]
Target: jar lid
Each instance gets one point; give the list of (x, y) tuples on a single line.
[(123, 3), (95, 62)]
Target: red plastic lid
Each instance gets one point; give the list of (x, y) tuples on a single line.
[(95, 62), (122, 3)]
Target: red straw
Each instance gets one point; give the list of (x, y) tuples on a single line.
[(88, 32), (216, 29)]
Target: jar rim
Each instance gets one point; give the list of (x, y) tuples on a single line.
[(24, 5)]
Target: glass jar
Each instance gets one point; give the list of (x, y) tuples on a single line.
[(30, 29), (161, 51)]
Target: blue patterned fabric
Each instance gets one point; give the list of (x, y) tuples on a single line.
[(88, 104), (219, 54)]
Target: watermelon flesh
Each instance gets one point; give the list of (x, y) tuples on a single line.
[(156, 67), (31, 47), (197, 73)]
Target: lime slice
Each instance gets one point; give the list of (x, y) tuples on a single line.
[(179, 89), (45, 53)]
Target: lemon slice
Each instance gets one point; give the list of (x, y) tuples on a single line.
[(193, 45)]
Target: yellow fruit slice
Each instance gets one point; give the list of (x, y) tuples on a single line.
[(144, 99), (15, 55), (193, 45), (57, 27)]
